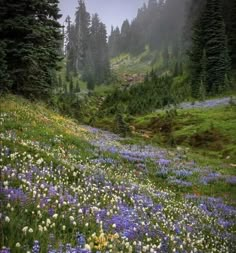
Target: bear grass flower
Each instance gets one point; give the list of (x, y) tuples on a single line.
[(114, 209), (18, 245), (7, 219)]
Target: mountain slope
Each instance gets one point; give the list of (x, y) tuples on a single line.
[(75, 188)]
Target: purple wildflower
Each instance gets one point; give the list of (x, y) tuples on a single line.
[(36, 247)]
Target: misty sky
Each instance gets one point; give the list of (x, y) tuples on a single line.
[(111, 12)]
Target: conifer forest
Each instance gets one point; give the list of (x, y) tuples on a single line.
[(117, 138)]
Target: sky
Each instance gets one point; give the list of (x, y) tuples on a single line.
[(111, 12)]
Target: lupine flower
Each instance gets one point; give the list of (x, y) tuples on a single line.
[(80, 240), (36, 247)]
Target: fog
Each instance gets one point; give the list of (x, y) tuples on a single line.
[(111, 12)]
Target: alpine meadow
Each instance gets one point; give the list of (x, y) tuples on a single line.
[(117, 126)]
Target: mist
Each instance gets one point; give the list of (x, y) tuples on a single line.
[(111, 12)]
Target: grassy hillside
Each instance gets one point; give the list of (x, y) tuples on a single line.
[(130, 65), (74, 188), (211, 131)]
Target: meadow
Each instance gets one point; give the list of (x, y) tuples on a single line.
[(67, 187)]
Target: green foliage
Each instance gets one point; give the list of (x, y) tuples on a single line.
[(121, 126), (67, 104), (77, 86), (60, 82), (90, 84), (87, 48), (137, 99), (230, 21), (97, 65), (5, 83), (209, 53), (32, 40), (71, 87), (202, 91)]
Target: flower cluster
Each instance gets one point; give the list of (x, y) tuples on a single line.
[(67, 198)]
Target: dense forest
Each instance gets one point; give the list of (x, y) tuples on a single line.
[(195, 40), (30, 38)]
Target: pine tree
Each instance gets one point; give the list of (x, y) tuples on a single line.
[(5, 83), (121, 125), (71, 86), (114, 42), (124, 36), (82, 22), (97, 64), (70, 48), (202, 91), (209, 53), (32, 36), (195, 55), (90, 84), (231, 32), (216, 46), (203, 75), (60, 83)]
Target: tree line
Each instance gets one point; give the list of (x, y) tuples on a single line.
[(199, 34), (86, 48), (158, 24)]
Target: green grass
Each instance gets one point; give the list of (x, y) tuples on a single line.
[(32, 132), (39, 127), (133, 64), (66, 84), (211, 132)]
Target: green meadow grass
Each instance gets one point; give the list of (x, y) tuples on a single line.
[(36, 123)]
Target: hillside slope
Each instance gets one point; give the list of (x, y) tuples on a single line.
[(74, 188)]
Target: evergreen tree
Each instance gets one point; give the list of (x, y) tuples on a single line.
[(90, 84), (124, 36), (231, 31), (87, 48), (97, 65), (82, 22), (32, 36), (216, 46), (121, 125), (5, 83), (71, 52), (114, 42), (71, 86), (209, 54), (196, 55), (70, 48), (203, 76), (60, 83), (157, 25), (202, 91)]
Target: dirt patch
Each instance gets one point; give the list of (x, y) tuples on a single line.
[(161, 125), (211, 139)]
